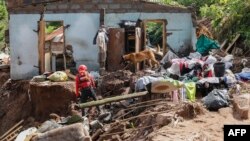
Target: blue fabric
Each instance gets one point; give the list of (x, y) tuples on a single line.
[(243, 76)]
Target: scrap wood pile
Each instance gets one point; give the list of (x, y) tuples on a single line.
[(152, 118), (4, 61)]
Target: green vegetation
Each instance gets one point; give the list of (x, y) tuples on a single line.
[(154, 31), (228, 17), (3, 22), (51, 26)]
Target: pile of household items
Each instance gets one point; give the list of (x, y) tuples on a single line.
[(204, 73)]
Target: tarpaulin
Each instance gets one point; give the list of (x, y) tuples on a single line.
[(205, 44)]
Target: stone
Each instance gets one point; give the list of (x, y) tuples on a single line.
[(241, 105), (164, 119), (73, 132)]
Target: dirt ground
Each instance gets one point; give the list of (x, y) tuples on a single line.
[(4, 77), (32, 103), (14, 104), (197, 124), (207, 127)]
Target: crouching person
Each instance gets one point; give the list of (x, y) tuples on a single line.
[(85, 86)]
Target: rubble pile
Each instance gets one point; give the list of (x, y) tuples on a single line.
[(114, 83), (191, 110), (118, 83), (139, 125), (4, 77), (47, 97), (14, 103)]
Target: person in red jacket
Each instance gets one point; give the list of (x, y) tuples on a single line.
[(85, 85)]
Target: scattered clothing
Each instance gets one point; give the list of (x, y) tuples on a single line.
[(244, 76), (143, 81)]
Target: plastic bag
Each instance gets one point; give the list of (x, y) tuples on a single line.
[(216, 99), (190, 90), (58, 76)]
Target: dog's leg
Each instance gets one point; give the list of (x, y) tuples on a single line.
[(150, 63), (155, 62)]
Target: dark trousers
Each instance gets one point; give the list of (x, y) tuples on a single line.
[(87, 93)]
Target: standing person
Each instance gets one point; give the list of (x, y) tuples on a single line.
[(85, 85)]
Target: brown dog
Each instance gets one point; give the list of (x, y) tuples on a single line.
[(145, 55)]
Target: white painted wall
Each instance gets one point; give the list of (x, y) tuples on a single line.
[(80, 34), (24, 42), (179, 23)]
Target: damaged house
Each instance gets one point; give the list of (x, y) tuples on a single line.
[(81, 19)]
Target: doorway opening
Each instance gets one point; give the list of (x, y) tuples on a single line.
[(155, 35), (54, 54)]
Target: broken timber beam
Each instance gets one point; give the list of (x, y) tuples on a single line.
[(112, 99), (232, 43)]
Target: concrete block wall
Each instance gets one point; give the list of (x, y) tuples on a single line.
[(92, 6)]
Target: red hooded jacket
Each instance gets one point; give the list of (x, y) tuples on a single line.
[(83, 82)]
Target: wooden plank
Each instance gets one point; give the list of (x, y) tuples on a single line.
[(13, 135), (12, 138), (164, 37), (137, 45), (115, 48), (102, 15), (223, 44), (4, 66), (233, 42), (12, 128), (112, 99), (41, 46)]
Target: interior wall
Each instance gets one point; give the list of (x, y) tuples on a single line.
[(80, 34), (24, 41), (180, 24)]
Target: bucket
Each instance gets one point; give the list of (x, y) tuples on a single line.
[(219, 69)]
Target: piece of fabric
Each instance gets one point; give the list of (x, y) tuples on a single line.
[(48, 125), (143, 81), (205, 44), (168, 57), (102, 44), (213, 80), (165, 86), (243, 76), (87, 93), (190, 89), (22, 136), (194, 55), (83, 82)]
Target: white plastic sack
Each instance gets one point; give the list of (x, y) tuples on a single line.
[(211, 60), (195, 55), (168, 57), (58, 76), (228, 58), (21, 136)]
